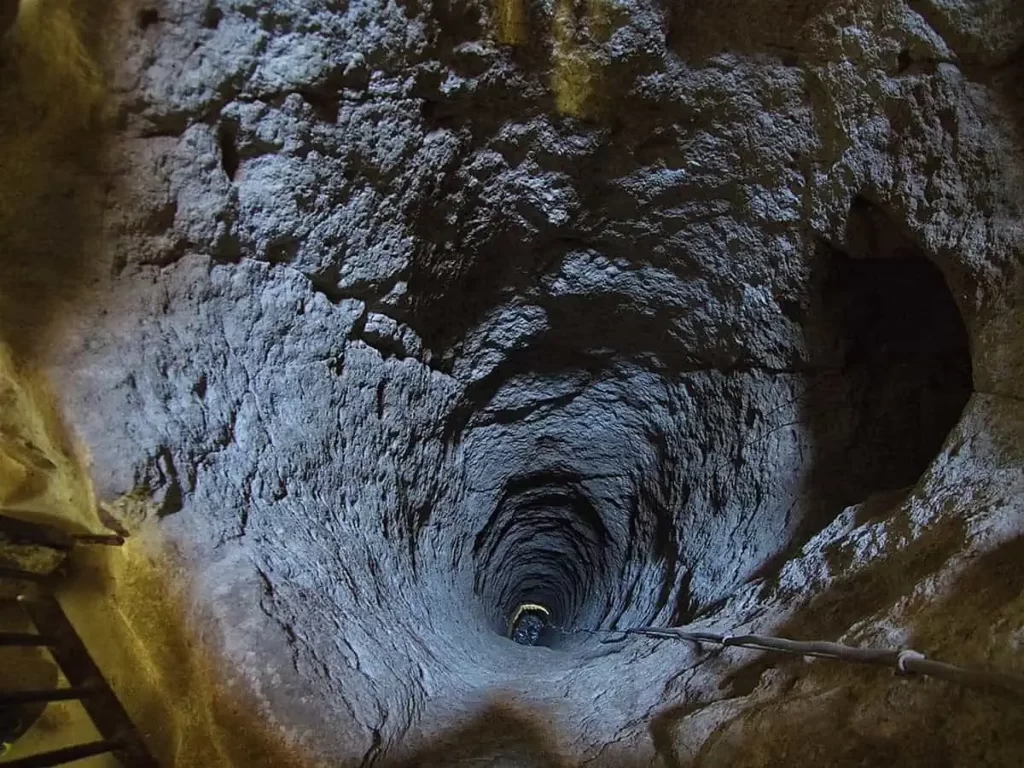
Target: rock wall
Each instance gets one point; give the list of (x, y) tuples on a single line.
[(697, 313)]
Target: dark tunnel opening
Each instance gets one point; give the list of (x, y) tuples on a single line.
[(905, 368), (906, 356), (546, 545)]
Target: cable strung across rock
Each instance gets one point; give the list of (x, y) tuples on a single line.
[(904, 660)]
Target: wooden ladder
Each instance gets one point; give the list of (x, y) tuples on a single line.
[(53, 631)]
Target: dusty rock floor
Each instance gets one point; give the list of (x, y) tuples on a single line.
[(376, 320)]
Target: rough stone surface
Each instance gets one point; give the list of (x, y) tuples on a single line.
[(661, 316)]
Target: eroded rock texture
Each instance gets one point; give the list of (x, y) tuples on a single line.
[(651, 314)]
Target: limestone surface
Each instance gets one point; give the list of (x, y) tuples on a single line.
[(410, 312)]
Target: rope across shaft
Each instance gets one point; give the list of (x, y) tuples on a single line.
[(904, 661)]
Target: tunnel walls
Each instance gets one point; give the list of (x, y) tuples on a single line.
[(413, 313)]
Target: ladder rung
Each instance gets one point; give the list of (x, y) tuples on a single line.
[(22, 639), (54, 694), (62, 756)]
